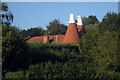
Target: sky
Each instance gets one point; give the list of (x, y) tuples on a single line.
[(38, 14)]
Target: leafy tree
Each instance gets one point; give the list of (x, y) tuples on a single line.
[(90, 20), (90, 39), (110, 22), (107, 55), (55, 28), (14, 48), (7, 16), (39, 31)]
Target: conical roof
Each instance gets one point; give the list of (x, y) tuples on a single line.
[(71, 35)]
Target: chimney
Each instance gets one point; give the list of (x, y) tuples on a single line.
[(80, 27), (71, 35), (56, 38), (46, 37)]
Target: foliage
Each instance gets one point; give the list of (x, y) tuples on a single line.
[(14, 48), (110, 22), (99, 58), (107, 55), (69, 69), (39, 31), (90, 39), (90, 20), (101, 43), (46, 46), (56, 28), (7, 16), (18, 74), (42, 52), (0, 51)]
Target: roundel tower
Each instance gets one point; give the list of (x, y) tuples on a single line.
[(71, 35)]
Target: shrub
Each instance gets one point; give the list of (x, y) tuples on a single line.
[(42, 52), (18, 74), (60, 70), (14, 48)]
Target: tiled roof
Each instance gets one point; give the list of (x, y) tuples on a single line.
[(56, 38), (53, 38), (36, 39), (71, 35)]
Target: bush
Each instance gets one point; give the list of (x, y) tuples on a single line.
[(47, 46), (44, 70), (18, 74), (90, 39), (14, 48), (107, 54), (42, 52), (60, 70)]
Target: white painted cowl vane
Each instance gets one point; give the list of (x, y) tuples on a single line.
[(72, 20), (79, 21)]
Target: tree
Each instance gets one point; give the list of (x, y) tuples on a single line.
[(55, 28), (90, 20), (39, 31), (110, 22), (90, 39), (7, 16), (14, 48), (103, 48), (106, 55)]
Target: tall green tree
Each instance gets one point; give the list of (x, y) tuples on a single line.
[(39, 31), (14, 48), (7, 16), (90, 20), (110, 22), (90, 39), (56, 28), (106, 55)]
